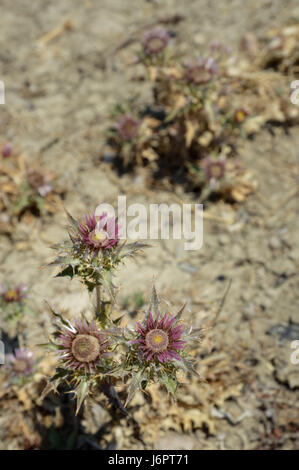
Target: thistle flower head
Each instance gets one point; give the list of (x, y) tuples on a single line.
[(94, 250), (6, 150), (127, 127), (99, 234), (240, 115), (214, 169), (201, 71), (39, 182), (160, 338), (83, 346), (13, 295), (155, 41), (160, 349), (21, 363)]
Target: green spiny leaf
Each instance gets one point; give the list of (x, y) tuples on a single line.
[(90, 285), (187, 366), (129, 249), (106, 280), (180, 312), (51, 386), (81, 393), (134, 385), (59, 316), (169, 382), (51, 346), (118, 320), (73, 222), (40, 203), (68, 271)]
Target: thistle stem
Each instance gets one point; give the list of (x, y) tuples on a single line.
[(99, 301), (100, 308)]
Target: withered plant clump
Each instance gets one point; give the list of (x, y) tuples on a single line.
[(27, 189), (201, 108), (189, 129), (14, 309)]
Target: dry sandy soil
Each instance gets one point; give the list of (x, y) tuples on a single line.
[(59, 93)]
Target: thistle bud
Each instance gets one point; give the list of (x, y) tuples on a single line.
[(214, 169), (128, 127), (155, 41), (6, 150)]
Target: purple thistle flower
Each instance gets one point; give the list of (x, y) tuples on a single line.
[(99, 234), (13, 295), (160, 338), (83, 346), (201, 71), (155, 41), (6, 150), (127, 127), (240, 115), (21, 363), (214, 169)]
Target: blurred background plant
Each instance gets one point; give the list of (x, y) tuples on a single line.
[(193, 118), (13, 309), (201, 107), (27, 189)]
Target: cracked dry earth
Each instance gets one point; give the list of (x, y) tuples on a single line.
[(59, 93)]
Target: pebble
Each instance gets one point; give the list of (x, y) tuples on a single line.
[(249, 311), (188, 268), (274, 243)]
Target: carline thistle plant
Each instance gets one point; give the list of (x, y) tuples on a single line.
[(20, 367), (13, 307), (96, 355), (37, 191), (196, 112)]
